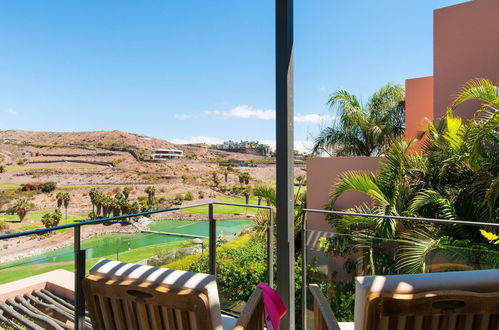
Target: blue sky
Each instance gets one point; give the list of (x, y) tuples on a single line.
[(190, 71)]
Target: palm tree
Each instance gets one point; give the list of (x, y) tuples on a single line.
[(363, 129), (107, 205), (60, 199), (455, 178), (99, 202), (268, 193), (126, 192), (93, 194), (21, 208), (66, 199), (151, 191)]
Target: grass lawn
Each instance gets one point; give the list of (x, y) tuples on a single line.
[(76, 186), (226, 209), (33, 220), (8, 185), (133, 256)]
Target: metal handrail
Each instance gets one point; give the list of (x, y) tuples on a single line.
[(80, 254), (368, 215), (398, 217)]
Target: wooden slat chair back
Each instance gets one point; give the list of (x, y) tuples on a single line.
[(128, 296), (151, 297), (253, 314), (437, 310), (324, 318), (129, 304), (447, 300), (465, 300)]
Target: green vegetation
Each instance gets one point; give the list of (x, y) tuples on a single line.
[(135, 255), (226, 209), (363, 129), (36, 217), (188, 196), (51, 219), (8, 185), (77, 186), (455, 177), (21, 208)]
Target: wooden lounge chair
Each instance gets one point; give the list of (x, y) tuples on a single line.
[(465, 300), (127, 296)]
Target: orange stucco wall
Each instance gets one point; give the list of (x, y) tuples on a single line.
[(418, 105), (466, 46), (323, 173)]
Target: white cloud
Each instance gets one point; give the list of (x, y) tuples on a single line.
[(301, 146), (11, 112), (313, 118), (182, 116), (197, 139), (245, 111)]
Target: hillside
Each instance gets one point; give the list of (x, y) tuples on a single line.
[(139, 145)]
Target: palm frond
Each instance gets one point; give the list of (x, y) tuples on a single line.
[(478, 89), (358, 181)]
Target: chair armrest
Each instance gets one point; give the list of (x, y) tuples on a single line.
[(253, 315), (323, 315)]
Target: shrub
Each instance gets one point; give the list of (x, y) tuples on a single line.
[(29, 187), (200, 194), (52, 219), (163, 257), (240, 269), (48, 187), (188, 196), (22, 161), (2, 168)]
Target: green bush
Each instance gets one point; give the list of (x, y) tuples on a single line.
[(2, 168), (185, 263), (48, 187), (52, 219), (200, 194), (239, 267), (166, 256), (188, 196)]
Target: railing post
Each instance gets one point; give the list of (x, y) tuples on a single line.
[(79, 321), (212, 244), (270, 248), (284, 160), (304, 273)]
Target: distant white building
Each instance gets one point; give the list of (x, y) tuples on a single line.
[(159, 154)]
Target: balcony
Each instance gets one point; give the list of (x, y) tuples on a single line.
[(53, 298)]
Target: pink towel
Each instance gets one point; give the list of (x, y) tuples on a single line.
[(274, 307)]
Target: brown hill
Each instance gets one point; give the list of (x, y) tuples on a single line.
[(139, 145)]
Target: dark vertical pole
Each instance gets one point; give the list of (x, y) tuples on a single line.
[(270, 250), (212, 244), (79, 321), (284, 159), (304, 274)]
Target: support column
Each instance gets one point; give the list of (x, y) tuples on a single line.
[(284, 159)]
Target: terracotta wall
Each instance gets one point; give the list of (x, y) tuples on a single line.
[(466, 46), (322, 173), (418, 104)]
